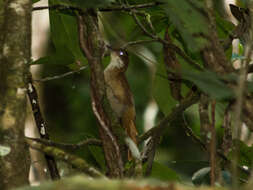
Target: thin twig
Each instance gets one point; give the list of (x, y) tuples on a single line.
[(219, 61), (171, 63), (153, 36), (170, 45), (189, 132), (160, 127), (149, 155), (82, 41), (227, 136), (130, 7), (108, 9), (81, 144), (219, 152), (138, 42), (56, 7), (61, 75)]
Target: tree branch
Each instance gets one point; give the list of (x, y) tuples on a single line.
[(81, 144), (220, 153), (214, 55), (160, 127), (93, 48), (133, 43), (107, 9), (75, 161), (40, 124), (82, 41), (61, 75), (156, 132), (15, 51), (130, 7), (168, 44)]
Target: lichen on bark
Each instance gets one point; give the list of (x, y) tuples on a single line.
[(15, 43)]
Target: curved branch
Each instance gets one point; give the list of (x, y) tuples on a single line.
[(81, 144), (76, 162), (107, 9), (160, 127), (61, 75)]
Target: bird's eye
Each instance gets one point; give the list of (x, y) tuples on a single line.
[(121, 53)]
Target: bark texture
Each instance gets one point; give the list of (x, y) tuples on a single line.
[(15, 43), (111, 133)]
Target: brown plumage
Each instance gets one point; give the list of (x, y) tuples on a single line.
[(119, 93)]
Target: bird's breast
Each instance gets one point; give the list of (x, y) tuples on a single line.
[(118, 93)]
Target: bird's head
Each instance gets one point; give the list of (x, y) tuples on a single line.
[(119, 59)]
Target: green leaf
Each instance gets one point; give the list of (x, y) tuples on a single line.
[(189, 18), (241, 49), (233, 78), (63, 57), (209, 83), (161, 90), (98, 155), (64, 32), (158, 19), (224, 27), (201, 177), (187, 166), (163, 172)]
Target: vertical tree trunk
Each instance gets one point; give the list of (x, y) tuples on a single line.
[(92, 46), (15, 43)]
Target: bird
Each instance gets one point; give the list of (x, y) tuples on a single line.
[(119, 93)]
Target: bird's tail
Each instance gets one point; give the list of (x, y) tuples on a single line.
[(128, 122)]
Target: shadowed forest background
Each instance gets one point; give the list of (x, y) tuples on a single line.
[(189, 71)]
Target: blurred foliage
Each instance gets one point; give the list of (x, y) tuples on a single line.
[(167, 174), (209, 83), (67, 101), (64, 33), (181, 14), (245, 154), (161, 84)]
